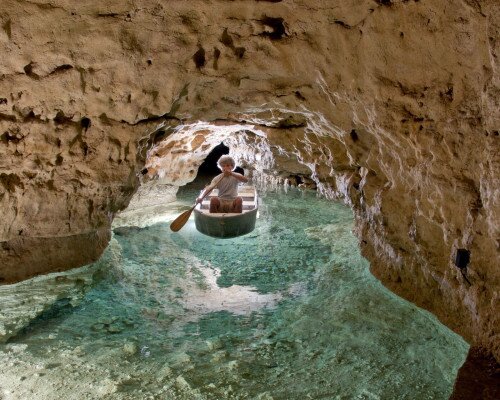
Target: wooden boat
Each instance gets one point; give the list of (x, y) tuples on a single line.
[(228, 225)]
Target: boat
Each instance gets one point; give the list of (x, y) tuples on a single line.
[(228, 225)]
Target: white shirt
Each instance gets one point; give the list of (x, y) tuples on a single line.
[(228, 186)]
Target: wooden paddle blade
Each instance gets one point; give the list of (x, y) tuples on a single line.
[(181, 220)]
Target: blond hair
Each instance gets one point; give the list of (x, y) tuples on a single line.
[(226, 160)]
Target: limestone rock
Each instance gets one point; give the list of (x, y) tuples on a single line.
[(391, 106), (24, 301)]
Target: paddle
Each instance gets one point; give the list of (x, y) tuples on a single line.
[(181, 220)]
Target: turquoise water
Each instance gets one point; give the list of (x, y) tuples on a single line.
[(289, 311)]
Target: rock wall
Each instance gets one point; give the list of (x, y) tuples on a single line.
[(391, 105)]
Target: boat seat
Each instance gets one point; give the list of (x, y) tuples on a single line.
[(245, 207), (245, 196), (223, 214), (245, 202), (246, 193)]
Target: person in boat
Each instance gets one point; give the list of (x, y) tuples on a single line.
[(227, 182)]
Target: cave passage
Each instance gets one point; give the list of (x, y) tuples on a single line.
[(289, 311), (206, 172), (209, 169)]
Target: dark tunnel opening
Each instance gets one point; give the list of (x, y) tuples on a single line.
[(209, 169)]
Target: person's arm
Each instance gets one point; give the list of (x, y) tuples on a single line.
[(240, 177), (209, 189), (205, 193)]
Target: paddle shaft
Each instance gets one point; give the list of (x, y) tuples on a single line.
[(181, 220)]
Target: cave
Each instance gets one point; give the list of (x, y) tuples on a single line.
[(376, 157), (209, 165)]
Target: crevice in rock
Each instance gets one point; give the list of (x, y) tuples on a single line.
[(216, 58), (84, 147), (83, 83), (59, 160), (7, 27), (275, 27), (155, 118), (199, 58), (447, 95), (61, 68), (7, 117), (45, 6), (11, 181), (85, 123), (342, 24), (109, 15), (28, 70), (239, 52), (385, 2), (31, 116), (299, 95), (105, 120), (177, 102), (161, 134), (476, 6), (60, 118), (227, 41), (291, 121), (10, 137)]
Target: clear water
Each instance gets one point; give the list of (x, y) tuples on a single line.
[(289, 311)]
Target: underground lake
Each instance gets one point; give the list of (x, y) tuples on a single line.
[(289, 311)]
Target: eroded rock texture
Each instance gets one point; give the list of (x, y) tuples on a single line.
[(391, 105)]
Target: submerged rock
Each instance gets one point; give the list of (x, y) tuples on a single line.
[(179, 360), (164, 373), (181, 383), (126, 230), (130, 348), (215, 344), (23, 302)]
